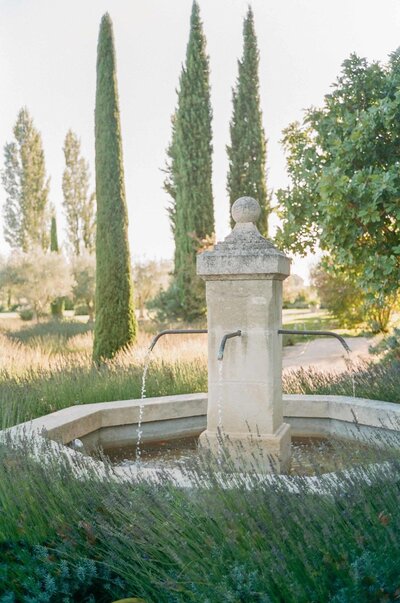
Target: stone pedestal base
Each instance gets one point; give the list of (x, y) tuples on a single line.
[(264, 453)]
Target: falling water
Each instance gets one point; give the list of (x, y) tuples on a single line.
[(219, 411), (139, 430), (350, 367)]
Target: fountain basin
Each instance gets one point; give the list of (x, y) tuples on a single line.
[(114, 424)]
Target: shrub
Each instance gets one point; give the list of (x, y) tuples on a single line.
[(82, 310), (26, 314), (340, 296), (35, 574), (84, 273), (390, 345), (68, 303), (253, 542), (369, 380)]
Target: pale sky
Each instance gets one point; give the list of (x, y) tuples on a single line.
[(48, 59)]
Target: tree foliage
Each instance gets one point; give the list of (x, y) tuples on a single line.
[(294, 291), (189, 173), (343, 162), (79, 204), (26, 210), (115, 325), (37, 278), (339, 295), (247, 150), (53, 235), (149, 277), (84, 286)]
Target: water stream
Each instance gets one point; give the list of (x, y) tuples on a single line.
[(139, 429), (219, 412), (351, 368)]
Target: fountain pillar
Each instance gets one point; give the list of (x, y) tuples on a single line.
[(244, 277)]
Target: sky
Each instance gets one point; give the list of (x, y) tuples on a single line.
[(48, 62)]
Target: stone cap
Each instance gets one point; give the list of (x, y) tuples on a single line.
[(245, 253)]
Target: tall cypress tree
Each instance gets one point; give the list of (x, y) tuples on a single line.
[(53, 235), (115, 326), (57, 305), (247, 149), (189, 172), (26, 210)]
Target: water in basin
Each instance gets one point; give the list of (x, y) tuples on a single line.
[(310, 456)]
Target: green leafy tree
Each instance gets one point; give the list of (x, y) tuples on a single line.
[(39, 277), (247, 175), (339, 294), (10, 280), (115, 326), (149, 278), (189, 174), (26, 210), (79, 204), (343, 162)]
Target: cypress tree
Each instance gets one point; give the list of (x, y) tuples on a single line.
[(53, 235), (247, 149), (115, 326), (57, 305), (189, 172), (26, 210)]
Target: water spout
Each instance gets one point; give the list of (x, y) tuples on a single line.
[(174, 332), (319, 333), (223, 342)]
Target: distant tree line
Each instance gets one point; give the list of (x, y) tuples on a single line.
[(342, 162), (30, 220), (29, 217)]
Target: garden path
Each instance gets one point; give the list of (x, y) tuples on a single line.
[(326, 353)]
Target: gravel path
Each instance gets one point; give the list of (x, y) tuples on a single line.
[(325, 353)]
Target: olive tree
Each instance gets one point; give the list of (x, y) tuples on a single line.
[(38, 278)]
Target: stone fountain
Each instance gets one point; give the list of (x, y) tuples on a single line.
[(244, 410), (244, 277)]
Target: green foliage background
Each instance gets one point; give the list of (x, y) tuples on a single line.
[(343, 162)]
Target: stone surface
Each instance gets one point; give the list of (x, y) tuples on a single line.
[(246, 209), (244, 254), (262, 453), (324, 415), (244, 277), (125, 435)]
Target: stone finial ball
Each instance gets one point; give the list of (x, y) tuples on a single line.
[(246, 209)]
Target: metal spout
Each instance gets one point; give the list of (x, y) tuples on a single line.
[(174, 332), (223, 343), (322, 333)]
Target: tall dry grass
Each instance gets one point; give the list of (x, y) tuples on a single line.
[(48, 366)]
